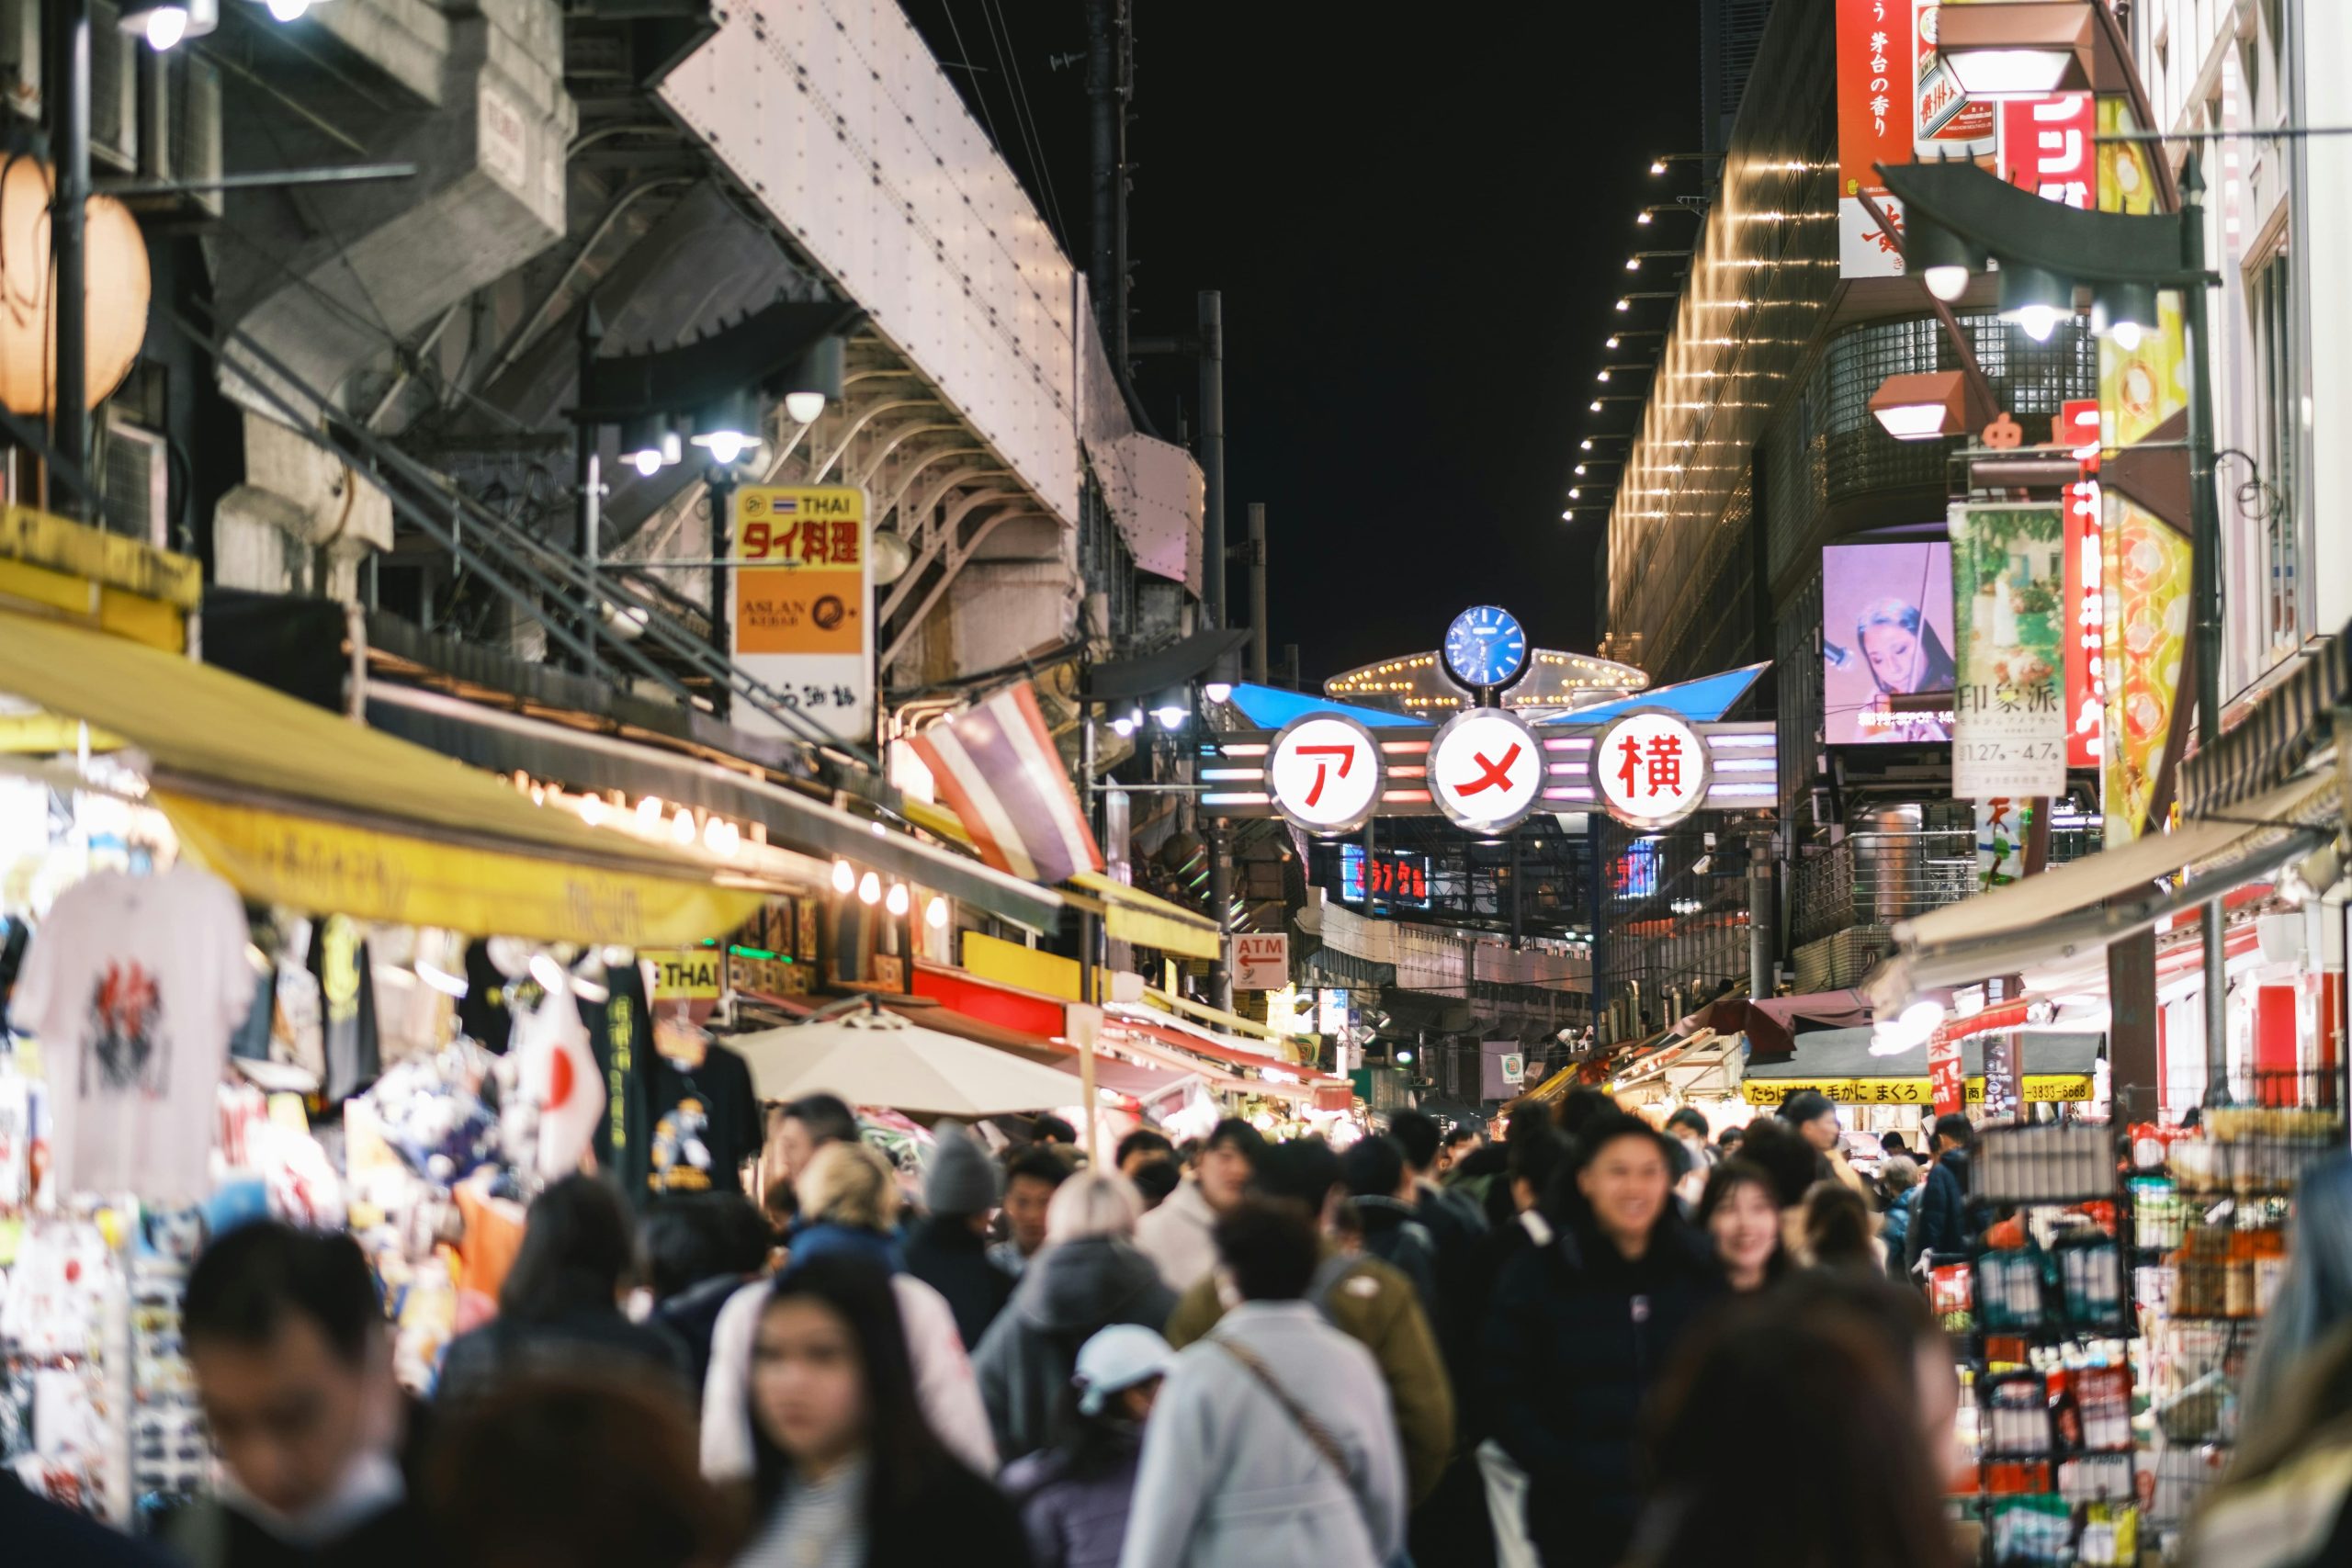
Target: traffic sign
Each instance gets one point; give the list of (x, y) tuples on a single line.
[(1486, 770), (1324, 773)]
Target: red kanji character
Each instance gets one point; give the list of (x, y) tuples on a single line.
[(1347, 755), (781, 538), (1666, 764), (845, 544), (815, 544), (1630, 749)]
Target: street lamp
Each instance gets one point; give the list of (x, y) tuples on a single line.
[(164, 23), (727, 427), (1625, 301), (2031, 49), (1606, 371), (1924, 407), (1647, 213), (1633, 262), (2033, 297), (1617, 398), (2124, 258)]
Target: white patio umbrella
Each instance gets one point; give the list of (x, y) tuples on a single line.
[(879, 1058)]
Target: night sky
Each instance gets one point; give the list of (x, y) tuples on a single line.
[(1420, 232)]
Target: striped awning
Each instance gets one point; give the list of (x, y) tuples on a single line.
[(2271, 744)]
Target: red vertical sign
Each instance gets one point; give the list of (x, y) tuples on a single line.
[(2048, 146), (1945, 1078), (2078, 426)]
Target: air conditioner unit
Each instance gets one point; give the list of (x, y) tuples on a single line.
[(179, 133), (135, 483), (114, 90)]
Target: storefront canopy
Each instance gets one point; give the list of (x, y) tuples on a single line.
[(296, 806), (1840, 1064), (2073, 910), (879, 1058), (1130, 914)]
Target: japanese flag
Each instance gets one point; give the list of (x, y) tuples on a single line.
[(558, 1077)]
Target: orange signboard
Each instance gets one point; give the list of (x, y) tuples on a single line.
[(800, 612)]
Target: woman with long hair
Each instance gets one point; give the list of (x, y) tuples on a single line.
[(560, 1306), (1819, 1382), (1905, 655), (1741, 1215), (845, 1472)]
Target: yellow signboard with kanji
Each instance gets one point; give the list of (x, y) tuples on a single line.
[(2038, 1088), (801, 604)]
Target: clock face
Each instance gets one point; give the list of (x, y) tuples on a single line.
[(1486, 647)]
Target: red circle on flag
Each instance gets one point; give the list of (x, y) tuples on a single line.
[(562, 1079)]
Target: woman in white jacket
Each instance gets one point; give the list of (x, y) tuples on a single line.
[(853, 1204)]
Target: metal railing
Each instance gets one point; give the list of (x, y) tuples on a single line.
[(1878, 878)]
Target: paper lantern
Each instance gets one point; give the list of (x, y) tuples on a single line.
[(115, 284)]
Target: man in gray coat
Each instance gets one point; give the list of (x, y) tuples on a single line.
[(1272, 1445)]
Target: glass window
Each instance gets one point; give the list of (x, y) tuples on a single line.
[(2269, 303)]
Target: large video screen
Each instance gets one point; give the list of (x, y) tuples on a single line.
[(1886, 643)]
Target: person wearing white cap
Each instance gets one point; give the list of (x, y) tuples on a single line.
[(1074, 1499)]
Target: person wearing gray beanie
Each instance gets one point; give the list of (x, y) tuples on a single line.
[(947, 1249)]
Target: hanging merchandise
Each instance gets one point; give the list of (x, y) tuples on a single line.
[(482, 1010), (705, 1114), (347, 992), (132, 986), (620, 1038), (560, 1089)]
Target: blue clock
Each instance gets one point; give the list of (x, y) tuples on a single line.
[(1486, 647)]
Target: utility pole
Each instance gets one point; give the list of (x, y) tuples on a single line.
[(1109, 60), (1258, 628), (587, 525), (67, 88), (1212, 329), (2205, 575)]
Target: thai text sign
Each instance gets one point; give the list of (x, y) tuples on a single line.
[(2009, 707), (800, 605)]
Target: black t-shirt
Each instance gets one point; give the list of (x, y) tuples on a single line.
[(347, 1007), (705, 1124), (620, 1037)]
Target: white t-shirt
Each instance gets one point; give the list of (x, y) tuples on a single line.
[(132, 985)]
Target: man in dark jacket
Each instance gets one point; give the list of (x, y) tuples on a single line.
[(1373, 1169), (1579, 1333), (948, 1249), (1948, 1222), (294, 1370)]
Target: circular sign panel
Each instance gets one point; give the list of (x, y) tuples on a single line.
[(1486, 770), (1650, 768), (1486, 647), (1324, 773)]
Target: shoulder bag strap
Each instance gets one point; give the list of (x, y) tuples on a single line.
[(1317, 1433)]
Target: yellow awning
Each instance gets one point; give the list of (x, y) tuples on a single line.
[(297, 806), (1130, 914)]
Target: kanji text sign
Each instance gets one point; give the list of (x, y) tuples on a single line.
[(1650, 768), (1324, 773), (1486, 770), (801, 604)]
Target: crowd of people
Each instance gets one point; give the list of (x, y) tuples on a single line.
[(1594, 1344)]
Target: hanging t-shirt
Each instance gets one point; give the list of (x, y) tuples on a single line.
[(482, 1012), (620, 1036), (347, 1007), (131, 986), (706, 1125)]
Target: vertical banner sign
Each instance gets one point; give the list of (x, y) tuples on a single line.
[(2000, 843), (1897, 100), (2147, 572), (1946, 1077), (800, 605), (2008, 714), (2004, 1079), (2078, 427)]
